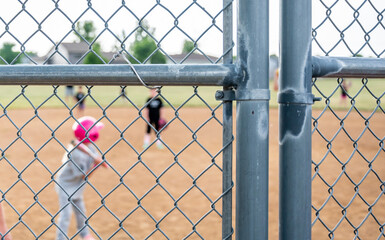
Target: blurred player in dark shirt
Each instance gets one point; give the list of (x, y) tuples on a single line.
[(153, 112), (80, 98)]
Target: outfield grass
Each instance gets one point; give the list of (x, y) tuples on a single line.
[(366, 94), (17, 97), (365, 97)]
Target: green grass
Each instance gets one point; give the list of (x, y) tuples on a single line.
[(17, 97), (364, 100), (366, 94)]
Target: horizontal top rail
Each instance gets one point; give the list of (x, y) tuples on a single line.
[(353, 67), (121, 75)]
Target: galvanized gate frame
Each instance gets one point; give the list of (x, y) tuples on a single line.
[(297, 67)]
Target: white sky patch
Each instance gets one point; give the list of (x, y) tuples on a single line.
[(42, 25)]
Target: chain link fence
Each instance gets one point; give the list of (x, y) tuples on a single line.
[(348, 130), (33, 30), (168, 186)]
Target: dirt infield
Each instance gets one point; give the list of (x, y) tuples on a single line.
[(166, 185)]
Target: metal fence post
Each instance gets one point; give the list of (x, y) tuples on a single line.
[(295, 101), (227, 185), (252, 128)]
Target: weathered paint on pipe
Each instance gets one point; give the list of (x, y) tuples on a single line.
[(295, 101), (252, 166), (353, 67), (154, 74)]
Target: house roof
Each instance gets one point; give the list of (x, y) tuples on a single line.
[(76, 47), (193, 58)]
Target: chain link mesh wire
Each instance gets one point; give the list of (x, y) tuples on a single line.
[(165, 24), (170, 193), (348, 125), (168, 189)]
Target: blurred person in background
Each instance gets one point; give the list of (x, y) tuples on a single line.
[(345, 86), (80, 99), (69, 94), (3, 225), (153, 113)]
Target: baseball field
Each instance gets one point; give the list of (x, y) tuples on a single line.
[(173, 191)]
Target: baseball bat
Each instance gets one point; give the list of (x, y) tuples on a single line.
[(82, 147)]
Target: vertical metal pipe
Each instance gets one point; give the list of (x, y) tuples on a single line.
[(227, 218), (227, 184), (295, 100), (252, 131)]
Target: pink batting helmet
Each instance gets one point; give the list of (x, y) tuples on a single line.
[(87, 124)]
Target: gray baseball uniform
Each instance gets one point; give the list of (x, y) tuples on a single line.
[(70, 190)]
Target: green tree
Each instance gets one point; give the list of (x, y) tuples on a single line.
[(7, 53), (86, 31), (188, 46), (94, 58), (144, 46)]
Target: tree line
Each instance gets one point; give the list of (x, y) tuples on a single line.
[(143, 49)]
